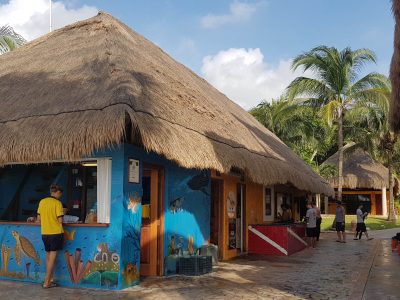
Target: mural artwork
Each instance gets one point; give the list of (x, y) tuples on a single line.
[(23, 251), (200, 182), (176, 205), (69, 236), (131, 240), (76, 269), (104, 269)]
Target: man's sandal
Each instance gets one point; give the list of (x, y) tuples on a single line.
[(51, 285)]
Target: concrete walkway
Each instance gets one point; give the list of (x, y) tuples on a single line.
[(331, 271), (384, 278)]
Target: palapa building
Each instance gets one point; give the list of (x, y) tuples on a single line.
[(154, 161), (365, 181)]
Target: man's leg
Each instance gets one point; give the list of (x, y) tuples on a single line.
[(344, 235), (50, 267), (339, 236)]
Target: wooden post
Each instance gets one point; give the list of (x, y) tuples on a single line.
[(384, 202)]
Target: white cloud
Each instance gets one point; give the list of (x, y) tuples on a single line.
[(238, 12), (30, 18), (245, 78)]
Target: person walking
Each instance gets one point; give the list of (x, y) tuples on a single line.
[(50, 214), (361, 223), (340, 218), (311, 230), (319, 220)]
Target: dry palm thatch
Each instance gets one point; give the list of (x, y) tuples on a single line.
[(360, 171), (74, 91), (395, 71)]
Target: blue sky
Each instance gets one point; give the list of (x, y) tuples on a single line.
[(244, 47)]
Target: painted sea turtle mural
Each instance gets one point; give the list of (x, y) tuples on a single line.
[(25, 247)]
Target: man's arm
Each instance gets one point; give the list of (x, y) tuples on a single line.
[(38, 219), (344, 215)]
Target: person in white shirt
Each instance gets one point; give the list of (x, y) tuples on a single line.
[(311, 218), (360, 224)]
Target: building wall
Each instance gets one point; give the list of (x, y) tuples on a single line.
[(186, 204), (115, 250), (253, 210), (375, 196), (97, 249)]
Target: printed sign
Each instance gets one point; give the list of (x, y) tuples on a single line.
[(231, 205), (134, 171)]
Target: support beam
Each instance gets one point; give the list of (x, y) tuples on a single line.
[(318, 200), (326, 204), (384, 202)]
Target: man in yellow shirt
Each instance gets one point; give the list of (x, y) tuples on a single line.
[(50, 213)]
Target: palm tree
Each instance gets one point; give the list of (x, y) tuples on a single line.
[(335, 86), (372, 118), (9, 39), (299, 127)]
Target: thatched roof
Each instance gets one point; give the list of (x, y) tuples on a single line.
[(360, 170), (395, 71), (76, 89)]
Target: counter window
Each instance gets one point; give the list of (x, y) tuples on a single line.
[(87, 189)]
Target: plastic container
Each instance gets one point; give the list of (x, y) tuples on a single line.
[(353, 225), (394, 244)]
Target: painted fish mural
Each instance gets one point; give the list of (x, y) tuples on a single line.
[(200, 182), (176, 205), (25, 247), (69, 236), (134, 202)]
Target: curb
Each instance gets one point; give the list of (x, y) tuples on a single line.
[(362, 278)]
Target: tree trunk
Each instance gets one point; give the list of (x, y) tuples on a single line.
[(394, 72), (340, 160), (392, 216)]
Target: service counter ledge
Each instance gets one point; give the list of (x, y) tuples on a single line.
[(277, 238)]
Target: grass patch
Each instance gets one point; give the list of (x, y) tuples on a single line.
[(372, 223)]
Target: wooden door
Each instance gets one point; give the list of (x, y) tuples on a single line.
[(150, 239), (215, 220)]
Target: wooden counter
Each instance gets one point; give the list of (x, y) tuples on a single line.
[(277, 239), (64, 225)]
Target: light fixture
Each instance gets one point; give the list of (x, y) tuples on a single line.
[(89, 164)]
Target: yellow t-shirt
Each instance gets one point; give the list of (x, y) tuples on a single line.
[(49, 210)]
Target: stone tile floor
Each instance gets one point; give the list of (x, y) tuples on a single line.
[(331, 271)]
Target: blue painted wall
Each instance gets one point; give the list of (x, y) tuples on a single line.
[(187, 204), (99, 248), (112, 254)]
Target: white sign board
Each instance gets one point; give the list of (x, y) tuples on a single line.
[(134, 171)]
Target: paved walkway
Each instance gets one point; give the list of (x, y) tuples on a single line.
[(384, 277), (331, 271)]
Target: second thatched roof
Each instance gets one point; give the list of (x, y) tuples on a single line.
[(80, 88), (360, 170)]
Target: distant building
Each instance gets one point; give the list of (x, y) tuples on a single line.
[(365, 181)]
